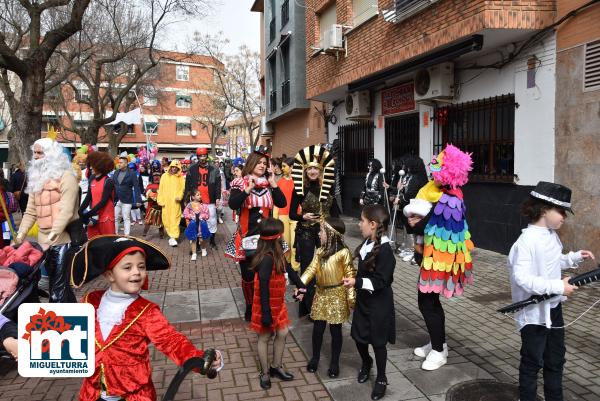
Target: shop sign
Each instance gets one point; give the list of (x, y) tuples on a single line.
[(399, 99)]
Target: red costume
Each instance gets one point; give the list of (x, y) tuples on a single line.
[(279, 312), (106, 215), (123, 360)]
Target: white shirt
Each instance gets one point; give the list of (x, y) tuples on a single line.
[(535, 262), (111, 310)]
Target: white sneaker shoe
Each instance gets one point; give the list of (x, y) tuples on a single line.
[(194, 256), (204, 253), (172, 242), (220, 220), (434, 360), (407, 257), (423, 351)]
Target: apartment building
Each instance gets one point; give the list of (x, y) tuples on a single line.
[(409, 76), (578, 120), (291, 121), (174, 106)]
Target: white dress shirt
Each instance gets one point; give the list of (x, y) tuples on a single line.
[(535, 262), (364, 251)]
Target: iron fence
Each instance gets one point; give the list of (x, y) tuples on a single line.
[(356, 144)]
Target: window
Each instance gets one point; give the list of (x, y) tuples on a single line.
[(183, 101), (362, 10), (285, 63), (50, 122), (591, 79), (53, 94), (404, 9), (151, 128), (486, 128), (326, 19), (273, 84), (182, 72), (82, 95), (184, 128), (150, 96), (285, 12), (82, 125), (130, 129)]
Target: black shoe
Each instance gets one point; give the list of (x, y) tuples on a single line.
[(282, 374), (265, 381), (333, 371), (313, 365), (248, 313), (379, 390), (365, 370)]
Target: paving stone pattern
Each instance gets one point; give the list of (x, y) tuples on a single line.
[(203, 299)]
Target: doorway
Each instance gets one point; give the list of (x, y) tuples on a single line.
[(401, 137)]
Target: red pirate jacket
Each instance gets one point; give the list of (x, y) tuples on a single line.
[(123, 361)]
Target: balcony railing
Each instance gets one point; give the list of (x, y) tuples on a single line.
[(404, 9), (272, 30), (285, 93), (285, 13), (273, 101)]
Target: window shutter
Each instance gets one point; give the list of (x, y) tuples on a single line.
[(591, 79)]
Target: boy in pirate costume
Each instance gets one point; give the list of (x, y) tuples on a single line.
[(126, 322)]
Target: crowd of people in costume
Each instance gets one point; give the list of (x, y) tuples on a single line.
[(288, 230)]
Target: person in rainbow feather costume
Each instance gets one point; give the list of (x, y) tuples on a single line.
[(446, 264)]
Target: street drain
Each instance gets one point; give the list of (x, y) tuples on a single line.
[(483, 390)]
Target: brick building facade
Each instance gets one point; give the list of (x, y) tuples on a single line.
[(410, 76), (578, 121), (174, 106)]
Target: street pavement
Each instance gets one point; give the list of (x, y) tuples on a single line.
[(204, 301)]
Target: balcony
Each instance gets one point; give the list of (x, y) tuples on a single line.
[(285, 13), (285, 93), (273, 101), (272, 30)]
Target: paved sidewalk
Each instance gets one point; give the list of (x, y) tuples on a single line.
[(204, 300)]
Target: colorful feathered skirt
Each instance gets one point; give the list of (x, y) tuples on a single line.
[(447, 265)]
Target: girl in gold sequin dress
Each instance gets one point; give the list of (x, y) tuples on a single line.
[(332, 302)]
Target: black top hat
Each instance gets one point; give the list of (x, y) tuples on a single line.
[(554, 194), (96, 256)]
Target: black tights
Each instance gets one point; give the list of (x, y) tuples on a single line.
[(336, 340), (435, 320), (380, 359)]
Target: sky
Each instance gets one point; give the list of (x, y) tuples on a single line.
[(232, 17)]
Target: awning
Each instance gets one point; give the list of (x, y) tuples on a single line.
[(445, 53)]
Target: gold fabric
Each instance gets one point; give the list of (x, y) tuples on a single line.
[(312, 204), (331, 304), (289, 236)]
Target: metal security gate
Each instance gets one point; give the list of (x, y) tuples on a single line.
[(401, 137)]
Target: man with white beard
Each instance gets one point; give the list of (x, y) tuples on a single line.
[(53, 202)]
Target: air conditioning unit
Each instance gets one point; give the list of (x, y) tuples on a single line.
[(435, 82), (333, 39), (265, 128), (358, 105)]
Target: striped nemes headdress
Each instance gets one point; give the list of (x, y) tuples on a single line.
[(314, 156)]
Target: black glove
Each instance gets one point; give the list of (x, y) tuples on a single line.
[(267, 320)]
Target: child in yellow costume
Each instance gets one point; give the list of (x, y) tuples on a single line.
[(170, 194), (286, 184)]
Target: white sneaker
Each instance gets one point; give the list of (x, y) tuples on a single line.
[(172, 242), (194, 256), (407, 257), (434, 360), (204, 253), (423, 351), (220, 220)]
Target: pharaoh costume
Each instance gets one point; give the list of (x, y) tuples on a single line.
[(311, 197)]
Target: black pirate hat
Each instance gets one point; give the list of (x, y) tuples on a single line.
[(103, 252), (553, 194)]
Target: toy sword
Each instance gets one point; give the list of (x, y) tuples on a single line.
[(578, 281)]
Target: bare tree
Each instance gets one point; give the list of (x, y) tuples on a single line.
[(237, 82), (116, 48), (28, 39)]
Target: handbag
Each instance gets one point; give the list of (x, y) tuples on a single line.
[(11, 203)]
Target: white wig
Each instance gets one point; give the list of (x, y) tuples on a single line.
[(53, 165)]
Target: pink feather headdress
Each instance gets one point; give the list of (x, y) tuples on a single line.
[(451, 167)]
